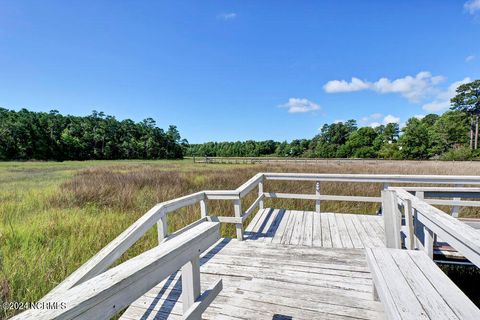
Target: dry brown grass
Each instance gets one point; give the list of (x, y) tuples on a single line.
[(135, 189)]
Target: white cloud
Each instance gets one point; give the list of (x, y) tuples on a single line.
[(298, 105), (376, 115), (414, 88), (441, 101), (227, 16), (470, 57), (344, 86), (419, 116), (371, 120), (391, 119), (338, 121), (472, 6)]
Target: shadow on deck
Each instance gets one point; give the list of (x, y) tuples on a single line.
[(293, 265)]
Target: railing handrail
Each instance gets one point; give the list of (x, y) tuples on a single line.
[(106, 294), (459, 235)]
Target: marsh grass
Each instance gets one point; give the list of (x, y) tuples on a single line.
[(55, 216)]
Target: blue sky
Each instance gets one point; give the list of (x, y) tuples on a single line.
[(237, 70)]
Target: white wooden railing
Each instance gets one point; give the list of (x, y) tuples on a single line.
[(93, 291), (104, 295), (408, 205)]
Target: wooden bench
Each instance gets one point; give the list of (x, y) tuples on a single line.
[(411, 286)]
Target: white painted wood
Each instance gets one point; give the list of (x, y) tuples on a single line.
[(277, 238), (395, 294), (237, 204), (389, 210), (326, 236), (459, 235), (191, 285), (317, 194), (104, 295), (260, 194), (456, 299), (317, 230), (162, 229), (203, 208), (197, 308), (307, 233), (428, 242), (254, 205), (334, 232), (410, 233), (278, 195), (352, 231), (411, 286), (297, 230), (380, 178)]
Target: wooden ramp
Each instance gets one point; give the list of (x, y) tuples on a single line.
[(293, 279)]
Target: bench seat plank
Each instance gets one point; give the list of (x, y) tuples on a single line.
[(411, 286)]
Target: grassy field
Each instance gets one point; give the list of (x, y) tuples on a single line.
[(55, 216)]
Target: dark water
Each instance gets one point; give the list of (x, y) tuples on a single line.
[(467, 278)]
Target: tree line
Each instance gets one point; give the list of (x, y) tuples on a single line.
[(444, 136), (453, 135), (51, 136)]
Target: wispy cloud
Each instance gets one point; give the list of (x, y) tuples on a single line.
[(470, 58), (391, 119), (377, 119), (441, 102), (300, 105), (472, 6), (414, 88), (227, 16)]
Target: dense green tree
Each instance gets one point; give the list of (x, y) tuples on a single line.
[(467, 100), (52, 136), (415, 141)]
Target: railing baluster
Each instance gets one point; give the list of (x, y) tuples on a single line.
[(203, 208), (317, 194), (237, 204), (409, 243), (428, 241), (162, 229), (260, 192)]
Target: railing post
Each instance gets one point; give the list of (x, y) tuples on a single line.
[(317, 194), (409, 244), (190, 283), (456, 209), (428, 242), (391, 219), (237, 204), (203, 208), (260, 193), (162, 230)]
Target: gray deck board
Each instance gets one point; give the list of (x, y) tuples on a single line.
[(292, 265)]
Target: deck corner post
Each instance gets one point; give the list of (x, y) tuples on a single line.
[(317, 194), (237, 204), (261, 204), (162, 230), (190, 283), (391, 220)]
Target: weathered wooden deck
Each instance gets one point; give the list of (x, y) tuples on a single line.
[(294, 265)]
